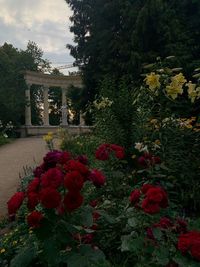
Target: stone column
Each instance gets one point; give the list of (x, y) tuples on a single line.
[(82, 121), (64, 107), (28, 106), (46, 106)]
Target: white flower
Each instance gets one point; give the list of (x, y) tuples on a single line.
[(141, 147), (138, 146)]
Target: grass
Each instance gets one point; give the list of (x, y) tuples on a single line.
[(3, 140)]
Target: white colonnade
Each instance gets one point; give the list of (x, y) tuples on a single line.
[(48, 81)]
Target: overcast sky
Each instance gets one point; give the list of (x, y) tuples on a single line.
[(45, 22)]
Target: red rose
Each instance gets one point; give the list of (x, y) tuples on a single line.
[(150, 233), (184, 242), (135, 196), (82, 159), (74, 165), (65, 156), (93, 203), (74, 181), (119, 151), (154, 194), (39, 170), (195, 250), (150, 207), (102, 152), (87, 238), (73, 200), (190, 242), (34, 219), (34, 185), (97, 178), (95, 216), (51, 159), (50, 198), (145, 188), (181, 226), (52, 178), (142, 161), (33, 200), (157, 195), (15, 202), (164, 223)]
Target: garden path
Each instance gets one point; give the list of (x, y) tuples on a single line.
[(14, 159)]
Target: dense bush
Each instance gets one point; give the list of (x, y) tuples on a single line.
[(70, 214)]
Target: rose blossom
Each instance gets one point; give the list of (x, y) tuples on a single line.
[(74, 181), (190, 242), (34, 185), (34, 219), (50, 197), (97, 178), (73, 200), (33, 200), (15, 202), (135, 196), (52, 178)]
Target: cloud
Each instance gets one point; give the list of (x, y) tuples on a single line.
[(45, 22)]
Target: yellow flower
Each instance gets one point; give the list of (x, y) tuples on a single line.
[(157, 142), (154, 121), (49, 137), (2, 250), (179, 79), (133, 156), (193, 92), (152, 80), (176, 86)]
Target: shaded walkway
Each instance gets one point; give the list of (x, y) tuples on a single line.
[(23, 152)]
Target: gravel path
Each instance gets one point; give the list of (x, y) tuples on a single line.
[(14, 157)]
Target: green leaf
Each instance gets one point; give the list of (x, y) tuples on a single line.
[(51, 251), (87, 257), (86, 216), (24, 258), (183, 261), (110, 219), (132, 222), (129, 243), (157, 233), (162, 255)]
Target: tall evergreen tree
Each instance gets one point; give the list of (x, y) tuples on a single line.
[(115, 37)]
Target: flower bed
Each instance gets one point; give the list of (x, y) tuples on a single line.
[(70, 214)]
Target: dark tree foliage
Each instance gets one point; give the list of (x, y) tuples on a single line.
[(116, 37), (55, 99), (12, 84)]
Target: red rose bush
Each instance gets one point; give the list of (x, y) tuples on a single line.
[(104, 152), (56, 186), (151, 199)]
